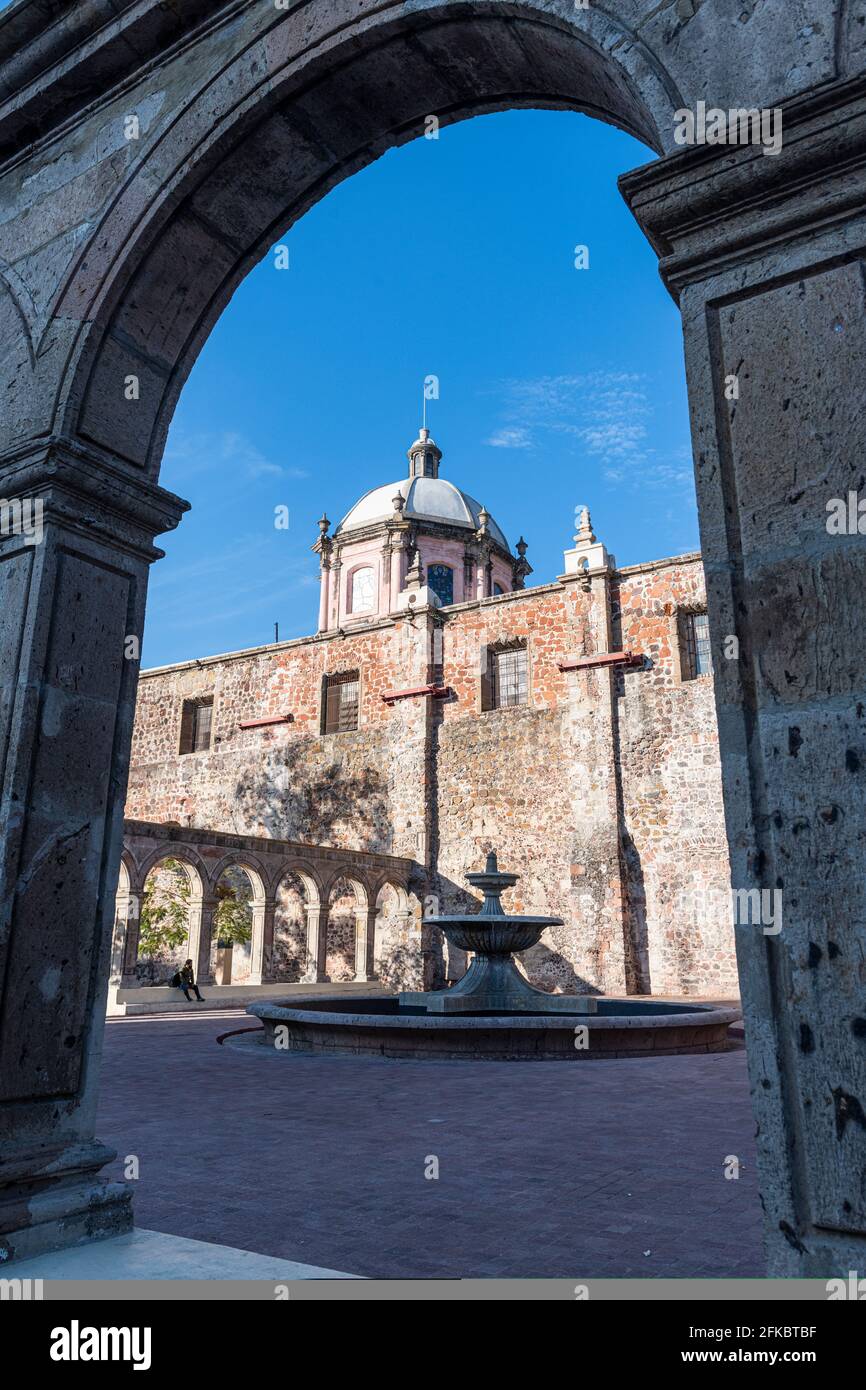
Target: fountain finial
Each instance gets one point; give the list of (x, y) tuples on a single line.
[(492, 865)]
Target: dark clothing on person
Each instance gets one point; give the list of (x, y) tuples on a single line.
[(187, 982)]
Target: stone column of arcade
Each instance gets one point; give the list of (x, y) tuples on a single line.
[(262, 964), (765, 255), (202, 914), (72, 596), (129, 924), (365, 943), (317, 943)]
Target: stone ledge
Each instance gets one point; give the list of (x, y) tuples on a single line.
[(143, 1254), (156, 999)]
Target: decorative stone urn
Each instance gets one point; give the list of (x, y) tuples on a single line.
[(493, 984)]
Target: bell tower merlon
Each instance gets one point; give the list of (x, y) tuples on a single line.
[(589, 556)]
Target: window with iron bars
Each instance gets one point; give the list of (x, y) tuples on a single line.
[(195, 725), (340, 703), (696, 654), (506, 680)]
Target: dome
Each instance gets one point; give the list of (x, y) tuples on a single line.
[(427, 499)]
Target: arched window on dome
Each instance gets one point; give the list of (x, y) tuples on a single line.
[(440, 579), (363, 591)]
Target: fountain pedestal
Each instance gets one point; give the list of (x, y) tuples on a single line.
[(493, 984)]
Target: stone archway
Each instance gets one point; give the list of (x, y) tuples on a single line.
[(133, 217), (240, 892), (349, 929), (173, 890), (297, 899), (397, 949)]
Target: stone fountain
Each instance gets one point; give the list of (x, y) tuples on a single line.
[(494, 1013), (493, 984)]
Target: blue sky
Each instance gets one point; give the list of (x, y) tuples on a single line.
[(453, 257)]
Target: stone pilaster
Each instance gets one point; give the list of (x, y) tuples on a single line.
[(395, 573), (335, 588), (324, 594), (766, 258), (71, 618), (597, 878)]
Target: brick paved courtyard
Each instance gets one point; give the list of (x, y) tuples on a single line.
[(545, 1168)]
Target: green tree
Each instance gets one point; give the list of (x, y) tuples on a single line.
[(164, 923), (233, 919)]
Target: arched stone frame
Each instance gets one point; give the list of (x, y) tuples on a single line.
[(348, 588), (708, 214), (567, 62), (192, 862), (363, 932), (261, 903), (199, 882), (394, 950), (315, 911)]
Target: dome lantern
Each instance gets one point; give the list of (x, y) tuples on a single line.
[(424, 456)]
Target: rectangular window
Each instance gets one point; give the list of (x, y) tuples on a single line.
[(507, 681), (697, 658), (195, 725), (340, 704)]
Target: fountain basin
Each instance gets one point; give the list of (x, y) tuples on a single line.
[(493, 1013), (383, 1027)]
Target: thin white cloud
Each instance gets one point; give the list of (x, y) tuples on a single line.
[(608, 416), (514, 438), (228, 450)]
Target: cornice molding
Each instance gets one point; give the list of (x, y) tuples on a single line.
[(84, 491), (711, 207), (435, 530)]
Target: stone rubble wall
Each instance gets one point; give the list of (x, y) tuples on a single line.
[(351, 790), (675, 850)]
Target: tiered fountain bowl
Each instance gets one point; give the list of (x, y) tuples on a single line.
[(494, 1012), (493, 984)]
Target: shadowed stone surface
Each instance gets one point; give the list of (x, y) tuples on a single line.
[(544, 1169)]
